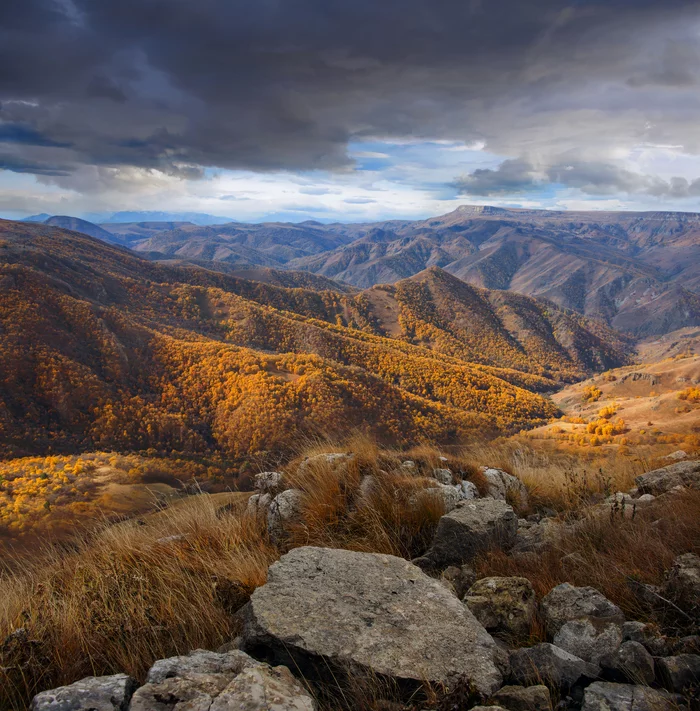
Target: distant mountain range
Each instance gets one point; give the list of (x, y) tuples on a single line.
[(638, 272)]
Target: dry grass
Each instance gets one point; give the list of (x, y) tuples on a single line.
[(117, 599), (127, 596), (612, 553), (120, 598)]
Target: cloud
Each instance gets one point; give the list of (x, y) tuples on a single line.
[(518, 176), (359, 201), (512, 176), (173, 85)]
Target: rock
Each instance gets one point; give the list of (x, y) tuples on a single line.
[(449, 496), (589, 638), (200, 661), (211, 681), (264, 689), (659, 481), (284, 509), (682, 584), (473, 527), (535, 536), (94, 693), (461, 578), (679, 673), (268, 482), (505, 487), (676, 456), (504, 606), (631, 663), (469, 490), (325, 608), (566, 602), (687, 645), (608, 696), (546, 664), (648, 635), (444, 476), (410, 466), (523, 698), (259, 504)]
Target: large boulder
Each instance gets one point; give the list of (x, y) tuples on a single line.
[(546, 664), (631, 663), (590, 638), (94, 693), (566, 602), (608, 696), (324, 608), (505, 487), (682, 584), (679, 673), (471, 528), (523, 698), (660, 481), (648, 635), (506, 607), (211, 681)]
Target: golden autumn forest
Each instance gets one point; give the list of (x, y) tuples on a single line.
[(196, 374)]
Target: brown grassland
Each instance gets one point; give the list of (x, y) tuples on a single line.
[(126, 594)]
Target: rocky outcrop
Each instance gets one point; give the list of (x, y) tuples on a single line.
[(473, 527), (324, 608), (660, 481), (547, 664), (566, 602), (506, 607), (608, 696), (94, 693)]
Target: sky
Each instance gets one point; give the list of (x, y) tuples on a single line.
[(347, 110)]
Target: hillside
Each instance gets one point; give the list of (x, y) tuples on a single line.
[(101, 349)]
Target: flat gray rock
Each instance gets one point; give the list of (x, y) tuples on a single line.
[(94, 693), (471, 528), (608, 696), (325, 608)]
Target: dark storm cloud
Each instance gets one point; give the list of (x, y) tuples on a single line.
[(511, 177), (285, 84)]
